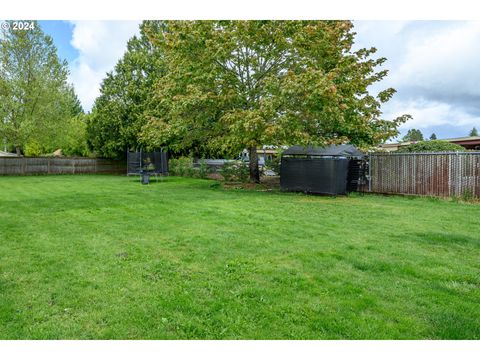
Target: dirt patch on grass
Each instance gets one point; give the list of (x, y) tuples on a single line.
[(215, 176), (267, 183)]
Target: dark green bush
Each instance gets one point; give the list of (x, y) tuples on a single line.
[(430, 146)]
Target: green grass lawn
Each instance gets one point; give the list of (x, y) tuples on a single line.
[(104, 257)]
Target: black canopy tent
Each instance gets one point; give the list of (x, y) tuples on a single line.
[(331, 170), (347, 151)]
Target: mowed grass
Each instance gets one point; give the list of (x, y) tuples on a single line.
[(103, 257)]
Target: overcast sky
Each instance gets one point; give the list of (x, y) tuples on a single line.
[(434, 66)]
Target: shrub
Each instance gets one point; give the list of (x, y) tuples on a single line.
[(231, 170), (173, 166), (274, 164), (181, 167), (430, 146), (203, 170), (184, 167), (467, 195), (33, 148), (235, 171)]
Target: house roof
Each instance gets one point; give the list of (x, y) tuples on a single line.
[(267, 151), (466, 140), (332, 150)]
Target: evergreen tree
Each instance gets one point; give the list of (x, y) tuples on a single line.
[(413, 135), (120, 111)]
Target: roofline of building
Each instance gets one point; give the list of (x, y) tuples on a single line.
[(460, 139)]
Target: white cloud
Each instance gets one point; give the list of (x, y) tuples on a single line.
[(431, 114), (100, 45), (434, 68), (381, 31), (444, 62)]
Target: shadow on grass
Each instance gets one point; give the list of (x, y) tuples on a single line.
[(440, 238)]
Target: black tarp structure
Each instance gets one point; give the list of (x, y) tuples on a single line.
[(332, 170), (155, 162)]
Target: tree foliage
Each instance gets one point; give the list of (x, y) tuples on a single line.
[(473, 132), (413, 135), (37, 101), (430, 146), (231, 85), (433, 136), (67, 133), (118, 113)]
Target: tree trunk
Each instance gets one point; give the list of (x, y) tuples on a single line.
[(254, 172), (17, 149)]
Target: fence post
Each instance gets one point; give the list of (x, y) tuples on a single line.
[(370, 173), (459, 179)]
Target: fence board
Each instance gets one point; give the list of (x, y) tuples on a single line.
[(46, 165), (435, 174)]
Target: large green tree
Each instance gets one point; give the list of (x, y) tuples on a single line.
[(64, 129), (473, 132), (231, 85), (118, 113), (36, 99)]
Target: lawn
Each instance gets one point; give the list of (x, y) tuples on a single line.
[(103, 257)]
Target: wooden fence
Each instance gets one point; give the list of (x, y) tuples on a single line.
[(435, 174), (50, 165)]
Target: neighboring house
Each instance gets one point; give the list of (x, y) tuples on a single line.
[(468, 142), (393, 146), (265, 153)]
